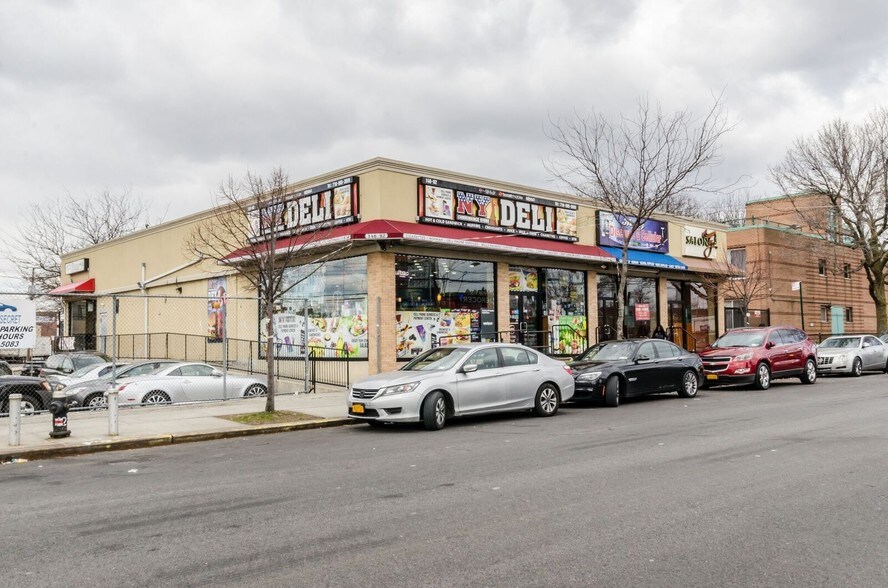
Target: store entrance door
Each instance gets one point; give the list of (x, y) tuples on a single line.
[(524, 319)]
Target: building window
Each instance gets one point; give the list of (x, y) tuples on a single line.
[(821, 267), (824, 314), (336, 293), (849, 314), (738, 258), (846, 271), (441, 301)]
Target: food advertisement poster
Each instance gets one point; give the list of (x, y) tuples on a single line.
[(420, 331), (651, 235), (523, 279), (569, 334), (331, 337), (472, 207), (217, 301)]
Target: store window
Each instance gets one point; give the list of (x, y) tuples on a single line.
[(336, 294), (692, 314), (640, 317), (565, 300), (441, 301)]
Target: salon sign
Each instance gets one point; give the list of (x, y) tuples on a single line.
[(699, 242)]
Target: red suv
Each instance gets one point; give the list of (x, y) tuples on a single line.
[(757, 356)]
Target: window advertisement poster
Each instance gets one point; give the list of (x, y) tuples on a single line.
[(217, 301), (651, 235), (18, 324), (523, 279), (642, 312), (472, 207), (419, 331), (341, 337)]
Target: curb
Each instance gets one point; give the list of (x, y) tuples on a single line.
[(37, 453)]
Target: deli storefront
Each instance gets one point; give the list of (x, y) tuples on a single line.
[(481, 263)]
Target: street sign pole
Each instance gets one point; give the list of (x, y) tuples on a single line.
[(798, 286)]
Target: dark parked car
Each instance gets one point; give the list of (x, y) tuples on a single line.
[(92, 393), (5, 370), (610, 371), (758, 356), (36, 393), (66, 363)]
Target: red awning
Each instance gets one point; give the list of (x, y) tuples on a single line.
[(86, 286), (387, 230)]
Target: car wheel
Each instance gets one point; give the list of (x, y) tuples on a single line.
[(434, 411), (762, 376), (255, 390), (156, 397), (94, 401), (547, 400), (886, 367), (30, 405), (689, 384), (810, 374), (857, 368), (612, 392)]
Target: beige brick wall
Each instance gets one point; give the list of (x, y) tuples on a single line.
[(502, 298), (381, 315)]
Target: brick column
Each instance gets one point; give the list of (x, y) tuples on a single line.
[(381, 286), (502, 300), (663, 306), (592, 305)]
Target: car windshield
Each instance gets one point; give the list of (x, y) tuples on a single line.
[(740, 339), (609, 351), (81, 361), (435, 360), (841, 343)]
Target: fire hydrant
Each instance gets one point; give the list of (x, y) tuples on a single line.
[(59, 410)]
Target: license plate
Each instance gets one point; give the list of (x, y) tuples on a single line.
[(358, 408), (711, 376)]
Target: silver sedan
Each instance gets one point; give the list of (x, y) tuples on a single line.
[(458, 380), (852, 354), (187, 382)]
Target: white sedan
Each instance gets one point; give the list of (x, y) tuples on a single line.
[(92, 371), (188, 382)]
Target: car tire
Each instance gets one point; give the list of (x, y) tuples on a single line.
[(30, 405), (612, 392), (689, 384), (95, 401), (156, 397), (809, 376), (547, 400), (762, 376), (886, 367), (857, 368), (434, 411), (255, 390)]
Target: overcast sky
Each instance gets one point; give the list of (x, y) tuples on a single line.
[(169, 98)]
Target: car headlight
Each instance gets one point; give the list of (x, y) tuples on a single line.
[(742, 357), (588, 377), (842, 358), (399, 389)]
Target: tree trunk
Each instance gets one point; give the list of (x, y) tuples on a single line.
[(877, 291), (621, 294), (269, 355)]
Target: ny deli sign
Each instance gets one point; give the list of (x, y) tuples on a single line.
[(471, 207), (320, 207)]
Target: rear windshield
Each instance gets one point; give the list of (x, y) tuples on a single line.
[(741, 339), (843, 342), (442, 358)]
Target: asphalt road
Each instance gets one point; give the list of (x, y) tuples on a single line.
[(787, 487)]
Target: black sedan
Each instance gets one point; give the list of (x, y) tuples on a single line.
[(36, 393), (612, 370)]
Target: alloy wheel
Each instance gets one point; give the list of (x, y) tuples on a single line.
[(548, 400)]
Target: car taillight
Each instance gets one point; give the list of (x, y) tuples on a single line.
[(568, 370), (121, 387), (45, 385)]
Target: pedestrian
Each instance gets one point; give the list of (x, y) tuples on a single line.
[(659, 332)]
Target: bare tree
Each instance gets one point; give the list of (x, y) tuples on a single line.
[(249, 232), (729, 208), (838, 183), (52, 230), (746, 282), (638, 166)]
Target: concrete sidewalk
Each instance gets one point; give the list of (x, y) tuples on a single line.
[(148, 426)]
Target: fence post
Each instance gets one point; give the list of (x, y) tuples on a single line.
[(112, 413), (224, 351), (15, 419), (305, 342), (113, 340)]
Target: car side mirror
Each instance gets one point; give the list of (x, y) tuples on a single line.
[(469, 368), (642, 358), (865, 345), (217, 374), (769, 345)]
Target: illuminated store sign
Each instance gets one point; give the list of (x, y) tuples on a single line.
[(471, 207), (699, 242), (651, 235), (328, 205)]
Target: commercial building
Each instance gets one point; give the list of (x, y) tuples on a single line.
[(422, 257)]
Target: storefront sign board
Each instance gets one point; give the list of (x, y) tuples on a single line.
[(18, 324), (77, 266), (472, 207), (324, 206), (642, 312), (652, 235), (699, 242)]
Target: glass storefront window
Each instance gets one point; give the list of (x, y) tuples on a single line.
[(641, 308), (565, 302), (441, 301), (692, 314), (336, 294)]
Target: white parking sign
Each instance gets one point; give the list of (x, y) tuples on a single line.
[(18, 320)]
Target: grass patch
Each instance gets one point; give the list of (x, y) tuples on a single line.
[(270, 418)]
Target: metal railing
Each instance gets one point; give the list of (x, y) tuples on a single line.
[(682, 337)]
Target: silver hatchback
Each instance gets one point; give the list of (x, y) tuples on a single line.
[(458, 380)]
